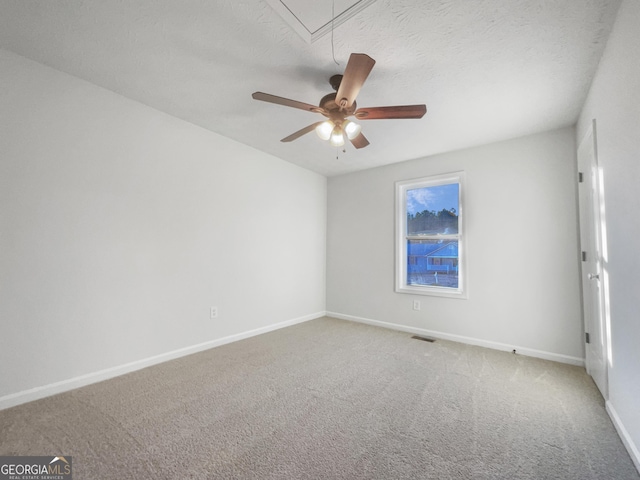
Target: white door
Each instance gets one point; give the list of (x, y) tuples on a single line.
[(592, 272)]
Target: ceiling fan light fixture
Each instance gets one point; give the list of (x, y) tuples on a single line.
[(351, 129), (337, 137), (324, 130)]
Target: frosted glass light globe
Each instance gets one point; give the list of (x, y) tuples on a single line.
[(337, 137), (351, 129), (324, 130)]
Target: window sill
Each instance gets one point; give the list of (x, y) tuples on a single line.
[(433, 291)]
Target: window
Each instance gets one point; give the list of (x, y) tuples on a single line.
[(429, 236)]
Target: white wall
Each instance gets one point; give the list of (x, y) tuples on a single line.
[(614, 101), (120, 226), (522, 241)]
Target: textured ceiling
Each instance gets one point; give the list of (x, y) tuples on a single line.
[(487, 70)]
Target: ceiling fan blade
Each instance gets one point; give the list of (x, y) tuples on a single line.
[(301, 132), (265, 97), (398, 111), (354, 76), (360, 141)]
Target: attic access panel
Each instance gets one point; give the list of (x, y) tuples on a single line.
[(311, 19)]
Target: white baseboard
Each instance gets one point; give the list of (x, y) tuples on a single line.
[(530, 352), (628, 442), (36, 393)]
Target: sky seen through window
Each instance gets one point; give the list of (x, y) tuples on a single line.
[(433, 198)]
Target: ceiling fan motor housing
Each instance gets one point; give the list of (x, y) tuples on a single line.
[(329, 104)]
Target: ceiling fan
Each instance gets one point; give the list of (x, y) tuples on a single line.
[(337, 106)]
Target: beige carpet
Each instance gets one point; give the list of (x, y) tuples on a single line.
[(330, 399)]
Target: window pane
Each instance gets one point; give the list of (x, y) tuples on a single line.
[(433, 210), (432, 262)]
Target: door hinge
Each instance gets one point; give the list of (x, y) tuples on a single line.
[(586, 337), (580, 177), (584, 256)]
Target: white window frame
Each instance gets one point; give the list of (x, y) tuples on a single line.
[(401, 236)]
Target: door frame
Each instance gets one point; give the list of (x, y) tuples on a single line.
[(593, 209)]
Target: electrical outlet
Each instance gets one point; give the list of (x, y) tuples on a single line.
[(213, 313), (416, 304)]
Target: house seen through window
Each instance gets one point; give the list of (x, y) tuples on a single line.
[(429, 236)]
